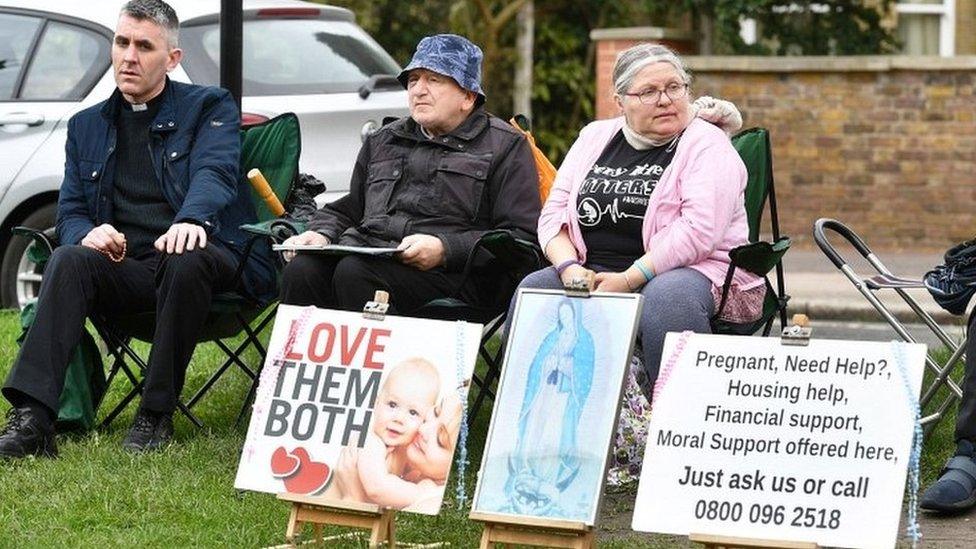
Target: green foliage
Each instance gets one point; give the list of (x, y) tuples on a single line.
[(563, 90), (799, 27)]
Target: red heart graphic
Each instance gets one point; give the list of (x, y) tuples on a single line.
[(302, 455), (284, 464), (312, 476)]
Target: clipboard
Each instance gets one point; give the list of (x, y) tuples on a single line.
[(335, 249)]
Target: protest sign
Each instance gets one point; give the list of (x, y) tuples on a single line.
[(750, 438), (553, 419), (359, 410)]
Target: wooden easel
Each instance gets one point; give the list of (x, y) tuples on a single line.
[(537, 532), (319, 511), (728, 542)]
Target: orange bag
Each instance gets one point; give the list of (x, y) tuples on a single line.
[(547, 172)]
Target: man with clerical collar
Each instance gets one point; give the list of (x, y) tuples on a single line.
[(148, 220), (430, 185)]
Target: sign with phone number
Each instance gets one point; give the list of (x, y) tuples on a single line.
[(750, 438)]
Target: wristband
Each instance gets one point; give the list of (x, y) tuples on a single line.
[(565, 265), (648, 275), (627, 281)]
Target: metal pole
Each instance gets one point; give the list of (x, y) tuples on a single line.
[(231, 47)]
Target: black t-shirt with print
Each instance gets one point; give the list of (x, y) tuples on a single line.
[(613, 199)]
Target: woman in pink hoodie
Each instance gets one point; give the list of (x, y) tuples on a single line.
[(651, 202)]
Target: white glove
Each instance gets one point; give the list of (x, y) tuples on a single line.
[(722, 113)]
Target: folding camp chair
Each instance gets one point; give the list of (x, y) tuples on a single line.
[(758, 257), (885, 280), (273, 147)]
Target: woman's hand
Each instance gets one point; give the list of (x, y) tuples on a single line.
[(576, 271), (611, 282)]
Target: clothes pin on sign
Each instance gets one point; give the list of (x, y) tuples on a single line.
[(798, 332), (376, 309), (580, 286)]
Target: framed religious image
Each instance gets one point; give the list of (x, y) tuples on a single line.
[(556, 405), (359, 410)]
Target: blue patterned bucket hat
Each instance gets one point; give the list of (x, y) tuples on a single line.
[(450, 55)]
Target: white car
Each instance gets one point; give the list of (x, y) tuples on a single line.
[(298, 57)]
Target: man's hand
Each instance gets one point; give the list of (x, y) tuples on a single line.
[(611, 282), (422, 251), (180, 237), (105, 238), (308, 238)]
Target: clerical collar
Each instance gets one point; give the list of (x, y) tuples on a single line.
[(148, 105)]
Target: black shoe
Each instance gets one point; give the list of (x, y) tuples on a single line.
[(955, 490), (26, 434), (149, 432)]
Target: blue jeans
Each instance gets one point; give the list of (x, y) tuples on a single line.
[(674, 301)]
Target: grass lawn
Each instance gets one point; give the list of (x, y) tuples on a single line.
[(96, 494)]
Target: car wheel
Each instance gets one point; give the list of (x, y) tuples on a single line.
[(20, 278)]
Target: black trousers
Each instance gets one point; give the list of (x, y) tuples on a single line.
[(348, 282), (966, 419), (79, 281)]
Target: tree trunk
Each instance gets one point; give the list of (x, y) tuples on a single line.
[(525, 37), (706, 34)]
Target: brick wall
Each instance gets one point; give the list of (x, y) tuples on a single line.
[(884, 144)]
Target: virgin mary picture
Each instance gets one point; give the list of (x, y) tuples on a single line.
[(552, 423)]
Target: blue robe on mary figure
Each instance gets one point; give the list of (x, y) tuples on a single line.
[(557, 386)]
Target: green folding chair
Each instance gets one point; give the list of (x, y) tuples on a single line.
[(274, 147), (758, 257)]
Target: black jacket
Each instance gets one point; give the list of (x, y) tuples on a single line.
[(457, 186), (195, 151)]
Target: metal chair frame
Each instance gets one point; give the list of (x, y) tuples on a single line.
[(886, 280)]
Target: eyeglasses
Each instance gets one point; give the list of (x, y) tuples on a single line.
[(674, 91)]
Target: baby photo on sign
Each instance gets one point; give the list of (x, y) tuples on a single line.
[(357, 410), (557, 402)]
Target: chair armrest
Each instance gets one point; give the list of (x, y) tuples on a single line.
[(503, 251), (759, 258), (276, 229), (43, 245), (510, 252)]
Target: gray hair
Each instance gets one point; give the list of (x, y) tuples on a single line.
[(158, 12), (630, 62)]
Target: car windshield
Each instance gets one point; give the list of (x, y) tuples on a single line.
[(290, 56)]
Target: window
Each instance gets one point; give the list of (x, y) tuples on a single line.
[(283, 56), (927, 27), (66, 64), (17, 34)]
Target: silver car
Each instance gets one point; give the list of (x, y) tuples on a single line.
[(305, 58)]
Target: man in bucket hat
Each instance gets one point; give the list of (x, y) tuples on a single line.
[(429, 185)]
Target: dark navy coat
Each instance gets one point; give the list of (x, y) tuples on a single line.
[(195, 153)]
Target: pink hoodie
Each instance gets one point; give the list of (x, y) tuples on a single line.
[(695, 215)]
